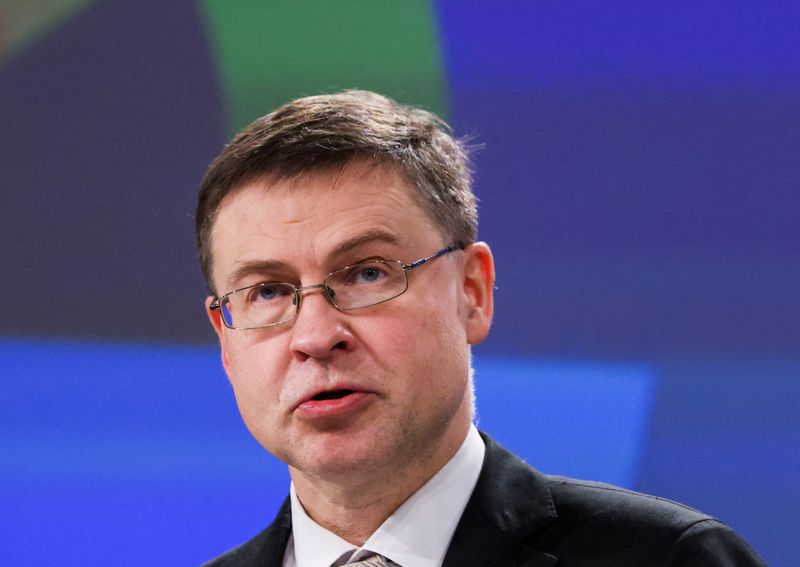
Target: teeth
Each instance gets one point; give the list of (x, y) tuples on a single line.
[(332, 395)]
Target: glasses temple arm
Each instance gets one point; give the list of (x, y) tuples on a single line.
[(442, 252)]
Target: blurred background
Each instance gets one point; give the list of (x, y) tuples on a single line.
[(638, 181)]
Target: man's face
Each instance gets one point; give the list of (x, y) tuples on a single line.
[(332, 392)]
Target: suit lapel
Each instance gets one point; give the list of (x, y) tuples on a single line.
[(270, 553), (510, 502)]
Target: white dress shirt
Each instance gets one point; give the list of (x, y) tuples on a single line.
[(417, 534)]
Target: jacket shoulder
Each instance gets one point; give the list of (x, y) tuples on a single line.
[(637, 528), (580, 500)]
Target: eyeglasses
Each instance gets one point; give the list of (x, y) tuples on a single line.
[(364, 284)]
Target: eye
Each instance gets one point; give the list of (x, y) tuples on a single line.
[(369, 273), (266, 293)]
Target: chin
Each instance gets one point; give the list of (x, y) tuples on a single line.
[(333, 454)]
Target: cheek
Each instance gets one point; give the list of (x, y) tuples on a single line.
[(432, 346), (443, 323), (253, 371)]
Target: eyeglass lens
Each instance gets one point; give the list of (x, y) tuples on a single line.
[(361, 285)]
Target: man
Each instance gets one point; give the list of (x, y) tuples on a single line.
[(338, 236)]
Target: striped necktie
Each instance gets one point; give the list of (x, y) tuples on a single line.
[(373, 561)]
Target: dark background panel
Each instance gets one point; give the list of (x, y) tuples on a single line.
[(637, 173), (108, 125)]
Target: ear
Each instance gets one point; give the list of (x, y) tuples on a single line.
[(215, 317), (478, 291)]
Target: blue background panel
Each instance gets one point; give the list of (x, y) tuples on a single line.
[(149, 457), (576, 418)]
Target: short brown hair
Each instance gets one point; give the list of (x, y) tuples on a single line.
[(318, 132)]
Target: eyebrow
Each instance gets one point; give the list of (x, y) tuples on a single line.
[(246, 268), (366, 238), (249, 267)]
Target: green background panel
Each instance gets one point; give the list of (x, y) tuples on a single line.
[(268, 53)]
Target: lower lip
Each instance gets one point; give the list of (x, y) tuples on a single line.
[(334, 407)]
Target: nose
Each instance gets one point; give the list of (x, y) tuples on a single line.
[(319, 330)]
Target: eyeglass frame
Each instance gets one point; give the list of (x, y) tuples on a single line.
[(216, 304)]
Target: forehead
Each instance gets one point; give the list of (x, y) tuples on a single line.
[(302, 220)]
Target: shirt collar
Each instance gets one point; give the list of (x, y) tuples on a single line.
[(417, 534), (313, 544)]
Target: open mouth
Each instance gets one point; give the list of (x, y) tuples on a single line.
[(334, 403), (332, 395)]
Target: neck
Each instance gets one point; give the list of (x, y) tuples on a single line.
[(354, 507)]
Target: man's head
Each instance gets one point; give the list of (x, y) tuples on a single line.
[(321, 132), (336, 392)]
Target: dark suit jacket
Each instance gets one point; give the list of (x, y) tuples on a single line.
[(518, 517)]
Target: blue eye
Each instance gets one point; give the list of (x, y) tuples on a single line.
[(364, 274), (369, 274), (267, 293)]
